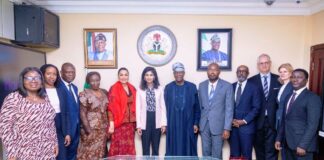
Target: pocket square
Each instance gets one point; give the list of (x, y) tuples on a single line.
[(276, 88)]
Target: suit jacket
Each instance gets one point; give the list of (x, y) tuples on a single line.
[(219, 114), (269, 103), (300, 125), (73, 109), (64, 118), (160, 116), (281, 103), (248, 107)]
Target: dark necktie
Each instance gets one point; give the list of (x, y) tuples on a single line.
[(238, 93), (292, 100), (265, 86), (70, 89)]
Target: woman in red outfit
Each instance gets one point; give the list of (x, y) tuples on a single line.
[(121, 114)]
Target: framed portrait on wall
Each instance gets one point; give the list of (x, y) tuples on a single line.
[(100, 48), (215, 46), (156, 45)]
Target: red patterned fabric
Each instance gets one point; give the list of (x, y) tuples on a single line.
[(118, 102), (122, 141)]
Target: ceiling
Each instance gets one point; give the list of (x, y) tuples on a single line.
[(209, 7)]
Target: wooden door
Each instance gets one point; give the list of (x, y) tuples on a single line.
[(316, 85), (317, 69)]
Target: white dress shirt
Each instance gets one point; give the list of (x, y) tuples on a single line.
[(67, 86), (268, 80), (54, 99), (282, 88), (242, 87), (210, 86), (297, 94)]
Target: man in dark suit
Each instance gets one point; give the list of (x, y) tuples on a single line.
[(268, 86), (68, 75), (247, 106), (300, 121), (216, 104)]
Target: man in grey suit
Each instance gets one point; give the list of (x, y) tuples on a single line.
[(216, 104), (300, 119)]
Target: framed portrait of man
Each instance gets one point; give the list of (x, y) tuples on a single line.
[(215, 46), (100, 48)]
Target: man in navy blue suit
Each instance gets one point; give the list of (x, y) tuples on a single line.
[(268, 86), (68, 75), (300, 120), (247, 106)]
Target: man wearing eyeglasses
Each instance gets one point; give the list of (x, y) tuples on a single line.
[(268, 86), (246, 109)]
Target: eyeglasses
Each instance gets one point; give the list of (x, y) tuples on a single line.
[(264, 63), (242, 71), (30, 79)]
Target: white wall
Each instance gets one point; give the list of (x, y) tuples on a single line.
[(317, 28), (282, 37)]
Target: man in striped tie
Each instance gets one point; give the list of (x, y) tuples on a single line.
[(268, 86)]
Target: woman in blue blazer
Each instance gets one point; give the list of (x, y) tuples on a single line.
[(57, 97), (285, 71)]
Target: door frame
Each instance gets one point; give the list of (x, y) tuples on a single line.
[(312, 85)]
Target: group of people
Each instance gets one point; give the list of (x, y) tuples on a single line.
[(47, 118)]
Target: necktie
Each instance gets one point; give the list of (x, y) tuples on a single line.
[(70, 89), (238, 93), (292, 100), (265, 86), (211, 93)]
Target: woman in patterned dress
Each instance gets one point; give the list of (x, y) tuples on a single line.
[(150, 111), (93, 114), (121, 113), (27, 120)]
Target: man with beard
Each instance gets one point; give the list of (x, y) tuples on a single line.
[(247, 106), (183, 113), (216, 104)]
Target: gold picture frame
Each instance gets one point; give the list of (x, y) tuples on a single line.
[(100, 48)]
